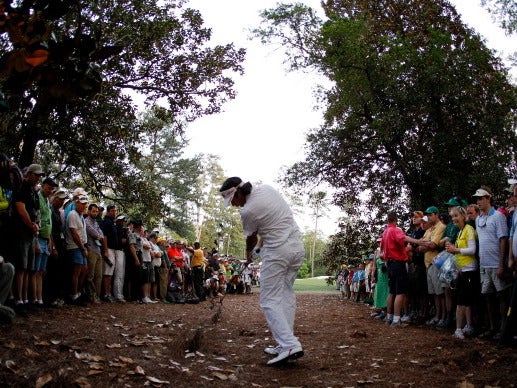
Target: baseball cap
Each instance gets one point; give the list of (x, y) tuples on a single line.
[(425, 219), (82, 199), (481, 193), (61, 193), (431, 209), (454, 201), (121, 217), (35, 169), (79, 191), (50, 182)]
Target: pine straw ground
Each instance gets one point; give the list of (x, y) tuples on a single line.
[(131, 345)]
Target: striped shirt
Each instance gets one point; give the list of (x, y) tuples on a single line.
[(490, 228)]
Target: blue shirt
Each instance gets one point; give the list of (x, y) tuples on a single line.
[(490, 229)]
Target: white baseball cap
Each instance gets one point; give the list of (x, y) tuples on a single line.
[(481, 193)]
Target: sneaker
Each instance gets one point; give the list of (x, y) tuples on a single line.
[(441, 323), (108, 298), (459, 334), (468, 330), (58, 303), (432, 321), (381, 315), (405, 318), (75, 297), (398, 324), (120, 300), (146, 300), (273, 351), (285, 355), (388, 322)]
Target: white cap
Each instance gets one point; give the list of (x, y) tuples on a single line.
[(481, 193), (79, 191), (82, 199)]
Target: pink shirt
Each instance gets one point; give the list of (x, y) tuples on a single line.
[(393, 244)]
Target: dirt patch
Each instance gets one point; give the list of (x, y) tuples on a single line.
[(128, 344)]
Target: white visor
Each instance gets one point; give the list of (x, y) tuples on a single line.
[(228, 195)]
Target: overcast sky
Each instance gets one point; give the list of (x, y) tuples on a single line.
[(264, 128)]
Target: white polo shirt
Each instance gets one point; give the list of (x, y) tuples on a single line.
[(267, 213)]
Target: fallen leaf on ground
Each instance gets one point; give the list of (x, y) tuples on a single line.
[(31, 353), (42, 380), (154, 380), (42, 343), (220, 376), (96, 365), (83, 382), (139, 370), (12, 366)]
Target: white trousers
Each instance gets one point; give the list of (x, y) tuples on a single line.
[(119, 259), (277, 298)]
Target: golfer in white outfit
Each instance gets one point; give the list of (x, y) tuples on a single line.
[(266, 214)]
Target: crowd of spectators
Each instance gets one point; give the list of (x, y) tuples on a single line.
[(454, 270), (58, 246)]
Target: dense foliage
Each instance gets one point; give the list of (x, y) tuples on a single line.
[(419, 108), (75, 74)]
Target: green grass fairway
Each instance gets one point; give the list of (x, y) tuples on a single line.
[(313, 285)]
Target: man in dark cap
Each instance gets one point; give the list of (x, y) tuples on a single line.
[(44, 241), (26, 225)]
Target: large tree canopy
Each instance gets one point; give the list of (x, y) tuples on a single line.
[(71, 73), (420, 108)]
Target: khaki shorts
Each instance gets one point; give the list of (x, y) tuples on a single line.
[(434, 284), (491, 283)]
